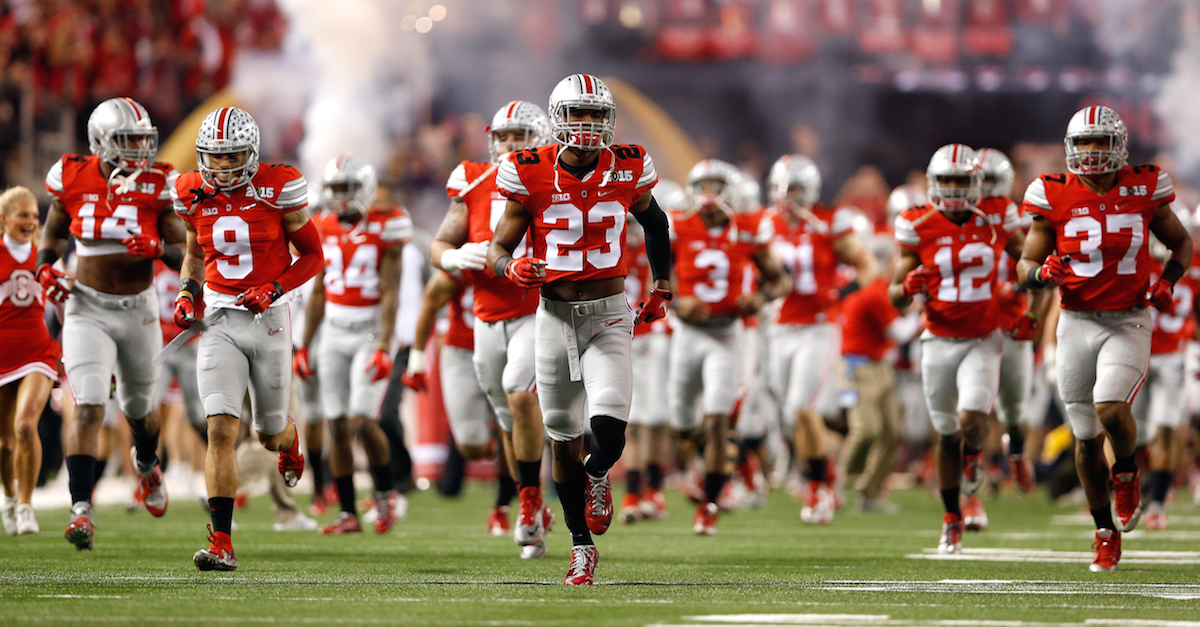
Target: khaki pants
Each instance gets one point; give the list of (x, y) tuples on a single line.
[(869, 452)]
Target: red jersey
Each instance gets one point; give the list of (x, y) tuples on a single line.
[(27, 345), (166, 285), (461, 330), (806, 250), (1013, 304), (638, 283), (965, 304), (241, 232), (496, 298), (1105, 236), (710, 264), (102, 214), (578, 226), (866, 315), (353, 257), (1173, 329)]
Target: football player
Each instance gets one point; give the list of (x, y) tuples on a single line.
[(116, 205), (467, 406), (573, 197), (356, 295), (28, 363), (1016, 362), (712, 247), (805, 342), (241, 216), (948, 250), (504, 312), (1089, 237), (1162, 420)]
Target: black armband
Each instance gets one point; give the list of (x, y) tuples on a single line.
[(46, 256), (189, 289), (502, 265), (848, 289), (658, 240), (1173, 271), (172, 256), (1033, 280)]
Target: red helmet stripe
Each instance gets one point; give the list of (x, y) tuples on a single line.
[(512, 106), (137, 114), (587, 83), (1093, 113), (222, 115), (954, 154)]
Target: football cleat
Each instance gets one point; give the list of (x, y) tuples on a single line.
[(531, 522), (547, 518), (1127, 499), (653, 505), (1156, 518), (389, 509), (598, 505), (26, 523), (291, 463), (704, 523), (630, 510), (219, 554), (973, 516), (952, 530), (583, 566), (818, 504), (80, 532), (1108, 551), (497, 522), (973, 473), (345, 523), (319, 506), (1022, 472), (10, 517), (137, 501), (152, 489), (534, 551), (299, 522)]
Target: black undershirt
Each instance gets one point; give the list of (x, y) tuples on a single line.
[(578, 171)]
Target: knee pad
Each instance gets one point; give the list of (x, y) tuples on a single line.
[(978, 399), (560, 426), (945, 423), (137, 407), (1085, 424)]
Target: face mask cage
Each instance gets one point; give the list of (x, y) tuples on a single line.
[(584, 134), (239, 174), (498, 148), (344, 197), (955, 192), (131, 150), (1095, 161)]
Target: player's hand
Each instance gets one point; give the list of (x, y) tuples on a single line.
[(654, 307), (921, 280), (381, 364), (258, 299), (1053, 270), (527, 272), (1025, 328), (1161, 295), (692, 310), (301, 364), (414, 381), (143, 245), (469, 256), (749, 304), (185, 312), (54, 283)]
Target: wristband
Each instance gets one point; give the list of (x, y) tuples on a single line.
[(46, 256), (1173, 271), (189, 288), (172, 256), (416, 360), (1033, 280), (502, 265)]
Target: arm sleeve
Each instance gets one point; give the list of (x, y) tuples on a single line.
[(457, 181), (906, 233), (54, 178), (658, 240), (1164, 190), (397, 229), (294, 194), (1035, 198), (843, 222), (649, 176), (308, 244), (508, 181)]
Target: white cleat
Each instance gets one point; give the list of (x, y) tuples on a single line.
[(26, 523), (534, 551), (299, 522), (10, 516)]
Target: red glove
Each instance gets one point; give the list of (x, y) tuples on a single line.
[(413, 380), (1161, 295), (1053, 269), (54, 283), (143, 245), (1026, 327), (301, 365), (526, 272), (921, 280), (258, 299), (185, 312), (655, 308), (381, 363)]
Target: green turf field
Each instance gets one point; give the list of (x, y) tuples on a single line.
[(439, 568)]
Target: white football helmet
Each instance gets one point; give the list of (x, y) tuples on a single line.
[(904, 197), (997, 172), (713, 182), (954, 163), (1096, 122), (749, 194), (224, 131), (582, 91), (518, 115), (121, 134), (670, 195), (795, 178), (349, 185)]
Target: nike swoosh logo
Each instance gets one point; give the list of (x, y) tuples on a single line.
[(603, 193), (274, 331)]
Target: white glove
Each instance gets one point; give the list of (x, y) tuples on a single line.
[(469, 256)]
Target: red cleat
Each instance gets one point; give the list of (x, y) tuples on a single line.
[(1108, 551), (531, 524), (291, 463), (583, 566), (497, 522), (973, 474), (219, 554), (1022, 472), (1127, 499), (80, 532), (388, 516), (598, 505), (630, 510), (319, 506), (153, 492), (346, 523), (952, 530), (704, 523), (973, 516), (241, 501), (653, 505), (1156, 518)]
